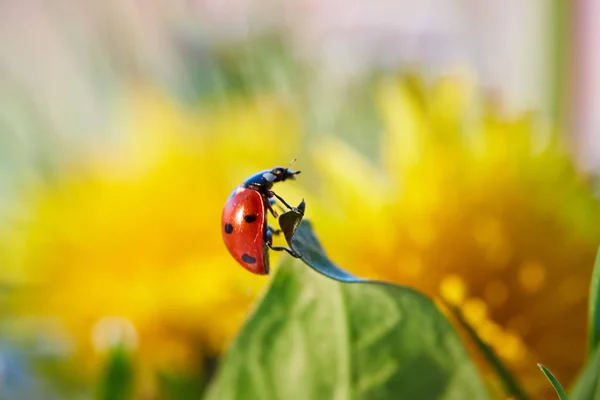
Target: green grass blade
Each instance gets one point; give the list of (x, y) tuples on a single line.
[(562, 395), (510, 384), (594, 309), (586, 385), (117, 379)]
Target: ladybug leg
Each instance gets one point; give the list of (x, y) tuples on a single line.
[(270, 208), (274, 203), (271, 193), (274, 231), (282, 248), (268, 237)]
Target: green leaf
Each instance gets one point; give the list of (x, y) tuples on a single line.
[(562, 395), (586, 387), (314, 256), (510, 384), (290, 221), (116, 382), (594, 308), (317, 338)]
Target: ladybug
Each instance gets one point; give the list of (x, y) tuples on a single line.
[(246, 233)]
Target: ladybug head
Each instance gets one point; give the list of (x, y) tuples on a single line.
[(281, 174)]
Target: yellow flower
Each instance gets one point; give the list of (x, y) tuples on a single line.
[(128, 248), (486, 212)]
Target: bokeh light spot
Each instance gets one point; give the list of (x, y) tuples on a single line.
[(111, 332), (532, 276), (510, 347), (488, 331), (453, 289), (475, 311)]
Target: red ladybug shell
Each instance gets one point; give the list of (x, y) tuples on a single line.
[(243, 226)]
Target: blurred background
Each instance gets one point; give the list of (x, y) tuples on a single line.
[(448, 145)]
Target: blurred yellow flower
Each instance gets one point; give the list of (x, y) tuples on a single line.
[(488, 213), (128, 248)]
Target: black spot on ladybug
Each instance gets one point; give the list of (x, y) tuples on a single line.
[(248, 259), (228, 228), (250, 218)]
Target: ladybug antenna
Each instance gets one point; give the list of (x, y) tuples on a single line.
[(289, 169)]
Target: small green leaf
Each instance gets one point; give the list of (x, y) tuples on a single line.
[(510, 384), (314, 256), (586, 387), (594, 308), (317, 338), (290, 221), (116, 382), (562, 395)]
